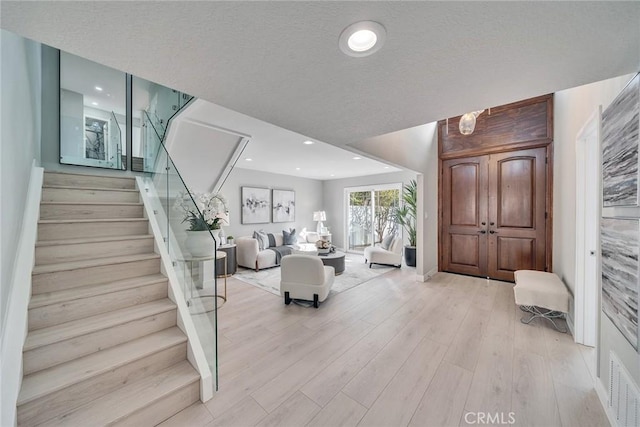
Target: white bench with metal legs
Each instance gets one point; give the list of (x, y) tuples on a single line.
[(542, 294)]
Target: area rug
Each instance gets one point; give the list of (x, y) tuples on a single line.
[(356, 272)]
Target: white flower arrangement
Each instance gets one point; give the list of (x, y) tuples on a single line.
[(203, 211)]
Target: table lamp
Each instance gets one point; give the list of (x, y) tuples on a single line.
[(320, 216)]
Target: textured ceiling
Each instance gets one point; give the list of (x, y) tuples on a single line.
[(280, 62)]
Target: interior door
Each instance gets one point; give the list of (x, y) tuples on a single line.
[(494, 214), (517, 210), (464, 212)]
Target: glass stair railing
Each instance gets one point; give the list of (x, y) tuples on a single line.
[(115, 143), (174, 207), (155, 122)]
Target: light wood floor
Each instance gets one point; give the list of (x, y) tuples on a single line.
[(395, 352)]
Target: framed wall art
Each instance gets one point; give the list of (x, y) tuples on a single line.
[(284, 205), (620, 141), (256, 205), (620, 250)]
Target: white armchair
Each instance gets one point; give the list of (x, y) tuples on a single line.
[(305, 277), (379, 255)]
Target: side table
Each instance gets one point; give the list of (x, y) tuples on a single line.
[(230, 261), (188, 285)]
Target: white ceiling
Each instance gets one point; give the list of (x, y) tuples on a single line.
[(280, 61), (275, 149)]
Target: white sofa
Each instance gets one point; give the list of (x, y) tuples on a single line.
[(249, 255), (379, 255), (305, 277)]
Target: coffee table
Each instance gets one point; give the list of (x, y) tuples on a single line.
[(305, 249), (335, 260)]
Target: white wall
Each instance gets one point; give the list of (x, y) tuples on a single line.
[(572, 108), (71, 124), (19, 146), (19, 143), (309, 198), (334, 202)]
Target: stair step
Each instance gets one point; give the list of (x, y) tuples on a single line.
[(59, 251), (48, 298), (54, 308), (54, 391), (145, 402), (66, 275), (57, 344), (59, 229), (79, 180), (88, 194), (86, 210)]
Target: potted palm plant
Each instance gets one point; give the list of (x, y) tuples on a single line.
[(406, 216)]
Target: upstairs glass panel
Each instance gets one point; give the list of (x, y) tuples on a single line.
[(92, 113), (153, 106)]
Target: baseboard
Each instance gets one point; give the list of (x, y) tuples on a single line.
[(604, 400), (427, 276)]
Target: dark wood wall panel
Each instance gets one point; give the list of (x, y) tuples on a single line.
[(516, 254), (464, 250), (464, 184), (516, 181), (519, 125)]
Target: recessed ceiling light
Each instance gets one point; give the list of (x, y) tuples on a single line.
[(362, 38), (94, 103), (357, 158), (333, 174), (248, 159), (308, 142), (98, 88), (386, 167), (297, 169)]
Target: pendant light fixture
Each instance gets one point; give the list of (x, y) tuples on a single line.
[(468, 122)]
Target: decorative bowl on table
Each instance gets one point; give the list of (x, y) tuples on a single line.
[(323, 246)]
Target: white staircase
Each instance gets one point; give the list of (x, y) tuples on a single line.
[(103, 346)]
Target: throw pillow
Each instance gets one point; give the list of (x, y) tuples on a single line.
[(289, 237), (272, 240), (386, 242), (262, 238), (312, 237)]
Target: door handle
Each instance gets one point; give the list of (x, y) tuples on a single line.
[(483, 223), (492, 223), (482, 231), (493, 232)]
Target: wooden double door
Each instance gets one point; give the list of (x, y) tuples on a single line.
[(494, 213)]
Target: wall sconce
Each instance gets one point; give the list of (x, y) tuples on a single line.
[(468, 122)]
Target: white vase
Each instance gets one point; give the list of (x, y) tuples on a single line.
[(200, 243)]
